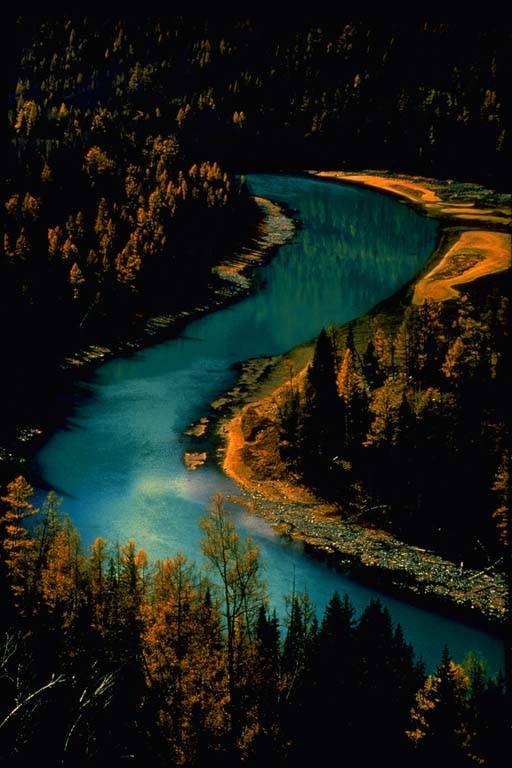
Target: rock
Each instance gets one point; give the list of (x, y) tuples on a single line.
[(199, 428), (193, 460)]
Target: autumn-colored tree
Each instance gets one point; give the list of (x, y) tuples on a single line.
[(235, 566), (23, 248), (351, 388), (426, 342), (76, 279), (97, 163), (385, 405), (132, 580), (62, 574), (185, 665), (69, 250), (382, 344), (54, 241), (49, 524), (96, 569), (501, 489), (30, 207), (27, 116), (438, 719), (18, 550), (128, 262), (46, 173)]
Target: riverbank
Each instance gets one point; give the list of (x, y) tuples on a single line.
[(475, 223), (230, 279), (250, 456), (248, 426)]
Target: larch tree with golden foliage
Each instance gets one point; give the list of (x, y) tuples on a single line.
[(184, 659), (18, 548), (438, 719), (235, 566)]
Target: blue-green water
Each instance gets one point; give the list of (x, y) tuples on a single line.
[(119, 461)]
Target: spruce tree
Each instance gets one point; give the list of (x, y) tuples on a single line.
[(321, 435)]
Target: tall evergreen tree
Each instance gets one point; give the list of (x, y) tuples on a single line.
[(322, 428)]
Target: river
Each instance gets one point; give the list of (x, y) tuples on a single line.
[(118, 463)]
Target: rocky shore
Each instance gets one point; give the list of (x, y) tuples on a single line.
[(381, 559)]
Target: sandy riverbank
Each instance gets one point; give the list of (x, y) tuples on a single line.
[(475, 254), (249, 431), (449, 199), (477, 219)]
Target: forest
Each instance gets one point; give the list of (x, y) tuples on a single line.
[(115, 658), (413, 425), (127, 141), (125, 136)]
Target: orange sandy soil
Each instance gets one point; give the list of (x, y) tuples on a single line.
[(252, 456), (194, 459), (476, 253), (432, 197)]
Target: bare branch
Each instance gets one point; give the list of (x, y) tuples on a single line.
[(51, 684)]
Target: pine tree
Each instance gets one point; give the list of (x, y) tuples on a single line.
[(371, 368), (266, 688), (290, 416), (334, 669), (336, 635), (321, 435), (298, 695)]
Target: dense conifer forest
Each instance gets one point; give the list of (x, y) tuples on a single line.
[(112, 657), (127, 141), (411, 430)]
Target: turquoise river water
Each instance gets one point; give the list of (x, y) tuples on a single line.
[(118, 463)]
